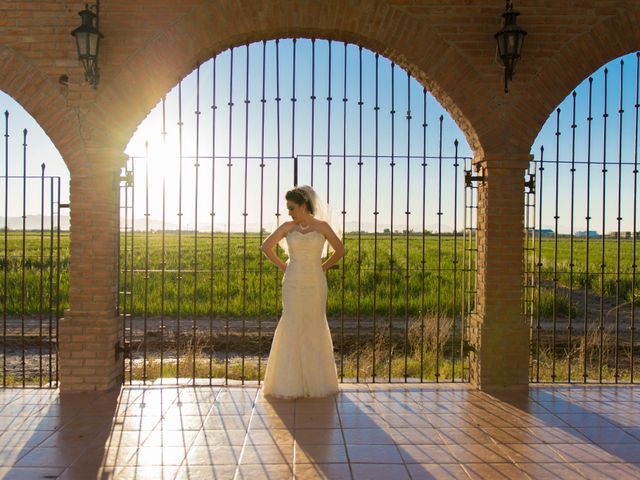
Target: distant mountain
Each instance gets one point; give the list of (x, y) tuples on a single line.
[(33, 222)]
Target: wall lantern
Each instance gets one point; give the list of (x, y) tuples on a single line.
[(510, 39), (88, 38)]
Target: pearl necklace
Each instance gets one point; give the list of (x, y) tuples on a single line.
[(303, 227)]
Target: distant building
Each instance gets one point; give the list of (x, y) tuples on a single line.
[(590, 234), (627, 235), (545, 232)]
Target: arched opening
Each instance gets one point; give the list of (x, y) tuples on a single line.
[(582, 233), (204, 185), (34, 194)]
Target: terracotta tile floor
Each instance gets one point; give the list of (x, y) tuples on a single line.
[(367, 432)]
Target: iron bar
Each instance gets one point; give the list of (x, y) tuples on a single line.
[(313, 103), (51, 307), (229, 165), (180, 214), (263, 101), (634, 266), (556, 217), (605, 116), (407, 213), (344, 210), (376, 110), (424, 226), (146, 262), (163, 242), (539, 263), (329, 99), (392, 164), (6, 248), (439, 288), (358, 305), (41, 289), (588, 221), (571, 238), (194, 332), (455, 258), (212, 214), (23, 290), (57, 302), (619, 220), (244, 215)]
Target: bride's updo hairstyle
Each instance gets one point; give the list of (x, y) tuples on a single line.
[(299, 196)]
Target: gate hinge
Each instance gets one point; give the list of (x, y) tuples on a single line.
[(468, 178), (124, 349), (531, 183)]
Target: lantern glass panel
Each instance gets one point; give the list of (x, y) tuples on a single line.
[(93, 44), (82, 39)]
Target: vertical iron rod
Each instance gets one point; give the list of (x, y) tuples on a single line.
[(423, 232), (51, 308), (228, 278), (571, 237), (179, 293), (244, 215), (344, 212), (263, 101), (392, 164), (132, 270), (556, 217), (329, 98), (146, 261), (358, 305), (57, 302), (277, 301), (605, 116), (439, 288), (587, 281), (407, 213), (619, 219), (539, 263), (41, 290), (214, 108), (313, 103), (163, 264), (376, 109), (634, 265), (194, 333), (23, 295), (6, 248), (455, 258)]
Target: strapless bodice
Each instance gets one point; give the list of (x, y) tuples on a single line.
[(305, 251)]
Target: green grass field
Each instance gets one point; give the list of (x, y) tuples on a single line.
[(235, 279), (229, 283)]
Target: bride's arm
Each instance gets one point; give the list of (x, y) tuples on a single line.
[(335, 242), (271, 241)]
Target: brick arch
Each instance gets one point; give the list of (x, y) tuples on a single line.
[(218, 26), (44, 101), (559, 76)]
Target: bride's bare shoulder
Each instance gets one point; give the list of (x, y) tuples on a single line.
[(322, 226)]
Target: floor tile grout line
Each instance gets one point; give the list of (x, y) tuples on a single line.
[(220, 389), (246, 435), (344, 439)]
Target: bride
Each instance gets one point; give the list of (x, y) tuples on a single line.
[(301, 362)]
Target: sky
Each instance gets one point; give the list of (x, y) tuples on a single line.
[(158, 163)]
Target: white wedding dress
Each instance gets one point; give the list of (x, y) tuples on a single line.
[(301, 361)]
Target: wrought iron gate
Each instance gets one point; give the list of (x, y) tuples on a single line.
[(198, 302), (582, 235), (34, 278)]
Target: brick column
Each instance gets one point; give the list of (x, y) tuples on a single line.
[(89, 330), (498, 329)]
